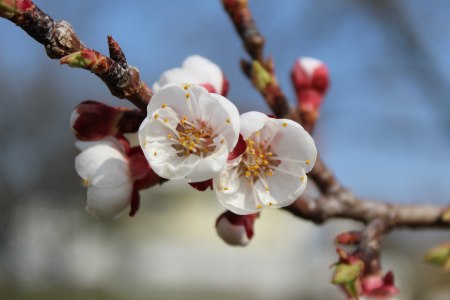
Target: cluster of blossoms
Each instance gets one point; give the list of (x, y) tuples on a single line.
[(192, 132)]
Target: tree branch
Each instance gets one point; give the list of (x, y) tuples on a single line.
[(345, 205), (61, 41), (260, 71), (335, 202)]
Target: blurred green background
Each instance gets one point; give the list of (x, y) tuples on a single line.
[(384, 130)]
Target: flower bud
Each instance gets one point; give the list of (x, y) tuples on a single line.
[(236, 230), (92, 120), (348, 238), (196, 70), (310, 79), (113, 174), (9, 8), (347, 273), (375, 286), (439, 255)]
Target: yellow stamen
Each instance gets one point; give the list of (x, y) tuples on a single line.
[(284, 124), (307, 162), (156, 116), (164, 105)]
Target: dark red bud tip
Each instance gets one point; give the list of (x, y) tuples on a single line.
[(225, 85), (203, 185), (135, 202), (239, 149), (141, 172), (92, 120), (348, 238)]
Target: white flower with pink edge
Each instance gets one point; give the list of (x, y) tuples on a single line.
[(196, 69)]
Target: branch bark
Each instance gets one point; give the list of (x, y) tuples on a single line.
[(61, 41)]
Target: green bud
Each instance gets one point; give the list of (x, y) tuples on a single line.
[(260, 76)]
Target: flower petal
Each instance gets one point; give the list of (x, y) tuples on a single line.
[(205, 71), (176, 75), (292, 141), (90, 160), (111, 173), (223, 116), (284, 189), (239, 196), (108, 203), (211, 165), (252, 122), (171, 95)]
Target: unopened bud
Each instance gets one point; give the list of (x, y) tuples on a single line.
[(260, 76), (93, 120), (310, 79), (9, 8), (348, 238), (236, 230), (375, 286), (440, 256), (347, 274)]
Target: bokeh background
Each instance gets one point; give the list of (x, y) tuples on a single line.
[(384, 130)]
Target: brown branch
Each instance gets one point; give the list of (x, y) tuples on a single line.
[(60, 41), (345, 205), (260, 71)]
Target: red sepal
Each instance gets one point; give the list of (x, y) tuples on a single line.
[(239, 149), (203, 185)]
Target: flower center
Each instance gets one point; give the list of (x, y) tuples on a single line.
[(256, 163), (193, 138)]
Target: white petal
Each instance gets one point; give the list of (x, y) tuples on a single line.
[(178, 169), (108, 203), (242, 201), (284, 189), (252, 122), (176, 75), (223, 116), (205, 71), (173, 96), (292, 141), (90, 160), (109, 140), (110, 174), (211, 165), (232, 234)]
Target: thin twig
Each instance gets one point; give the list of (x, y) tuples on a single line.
[(61, 41)]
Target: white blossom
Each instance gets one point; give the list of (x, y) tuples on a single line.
[(188, 132), (195, 70), (272, 170), (104, 169)]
